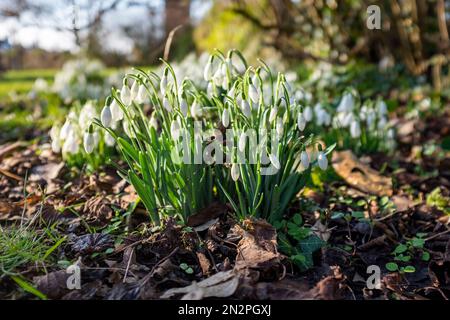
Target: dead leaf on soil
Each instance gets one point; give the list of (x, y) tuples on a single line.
[(220, 285), (90, 243), (258, 247), (359, 175), (211, 212), (46, 172)]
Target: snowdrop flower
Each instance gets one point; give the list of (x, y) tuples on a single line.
[(109, 139), (235, 171), (196, 109), (279, 126), (87, 115), (208, 72), (142, 94), (346, 104), (106, 116), (232, 91), (347, 119), (301, 122), (245, 108), (134, 90), (90, 140), (253, 93), (166, 104), (66, 129), (323, 118), (273, 114), (70, 145), (125, 95), (210, 89), (382, 108), (304, 159), (183, 107), (225, 83), (274, 161), (382, 122), (163, 82), (355, 129), (370, 118), (225, 118), (256, 81), (308, 113), (175, 129), (116, 111), (56, 142), (322, 160), (242, 142)]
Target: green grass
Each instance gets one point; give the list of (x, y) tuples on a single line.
[(21, 246), (21, 81)]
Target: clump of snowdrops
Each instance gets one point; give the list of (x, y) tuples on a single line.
[(79, 142), (362, 126), (240, 141)]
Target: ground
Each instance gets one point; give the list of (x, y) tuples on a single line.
[(53, 217)]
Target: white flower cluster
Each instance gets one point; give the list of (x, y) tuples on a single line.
[(371, 117), (77, 131)]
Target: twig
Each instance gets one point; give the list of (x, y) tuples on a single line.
[(169, 42)]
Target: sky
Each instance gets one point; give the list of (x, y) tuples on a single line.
[(29, 31)]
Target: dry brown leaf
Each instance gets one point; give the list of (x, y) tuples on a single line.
[(220, 285), (359, 175)]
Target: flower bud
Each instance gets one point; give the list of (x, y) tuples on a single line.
[(235, 172), (106, 116), (322, 160), (225, 118), (304, 159)]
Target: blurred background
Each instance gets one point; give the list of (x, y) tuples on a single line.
[(73, 47), (46, 33)]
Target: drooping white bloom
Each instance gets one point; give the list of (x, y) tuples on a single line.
[(125, 95), (66, 129), (87, 115), (142, 94), (196, 109), (322, 160), (304, 159), (89, 142), (166, 104), (273, 114), (256, 81), (232, 91), (225, 118), (245, 108), (253, 93), (242, 142), (56, 142), (175, 129), (382, 122), (347, 103), (235, 172), (106, 116), (208, 72), (116, 111), (183, 107), (279, 126), (70, 145), (109, 139), (370, 119), (134, 90), (355, 129), (382, 108), (308, 113), (274, 161), (301, 122), (163, 83)]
